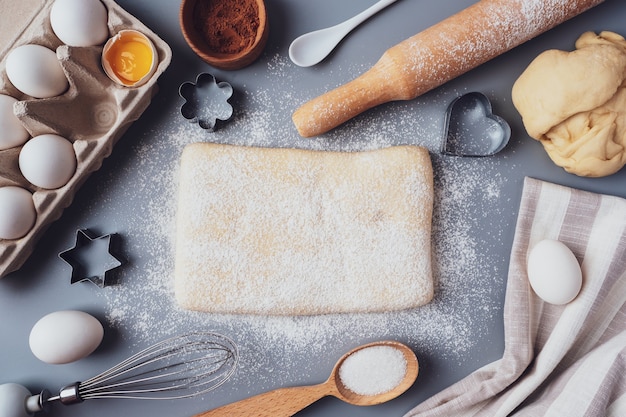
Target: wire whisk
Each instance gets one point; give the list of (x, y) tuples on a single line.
[(179, 367)]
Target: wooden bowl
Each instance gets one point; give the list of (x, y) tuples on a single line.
[(193, 16)]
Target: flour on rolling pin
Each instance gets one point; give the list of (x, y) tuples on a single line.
[(294, 232), (427, 60)]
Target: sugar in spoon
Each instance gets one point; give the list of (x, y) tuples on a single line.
[(285, 402), (313, 47)]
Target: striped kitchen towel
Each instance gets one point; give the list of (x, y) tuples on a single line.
[(562, 361)]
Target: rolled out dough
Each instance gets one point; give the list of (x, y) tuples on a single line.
[(297, 232)]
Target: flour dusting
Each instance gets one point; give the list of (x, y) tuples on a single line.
[(142, 306)]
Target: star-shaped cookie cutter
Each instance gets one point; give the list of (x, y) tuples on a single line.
[(92, 258)]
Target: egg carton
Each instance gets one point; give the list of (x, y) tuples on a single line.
[(93, 113)]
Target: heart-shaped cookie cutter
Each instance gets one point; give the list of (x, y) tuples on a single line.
[(206, 101), (471, 128)]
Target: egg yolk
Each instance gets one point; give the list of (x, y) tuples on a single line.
[(130, 59)]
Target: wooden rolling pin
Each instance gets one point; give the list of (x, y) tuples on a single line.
[(438, 54)]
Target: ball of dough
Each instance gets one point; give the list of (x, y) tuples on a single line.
[(574, 103)]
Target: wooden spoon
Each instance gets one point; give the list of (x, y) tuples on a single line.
[(285, 402)]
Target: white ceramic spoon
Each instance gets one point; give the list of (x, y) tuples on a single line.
[(312, 47)]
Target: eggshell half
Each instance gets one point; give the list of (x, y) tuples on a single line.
[(65, 336), (553, 272), (116, 60)]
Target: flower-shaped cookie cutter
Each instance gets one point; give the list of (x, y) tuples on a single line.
[(471, 128), (206, 101), (92, 258)]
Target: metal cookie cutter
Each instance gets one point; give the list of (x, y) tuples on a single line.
[(471, 128), (92, 258), (206, 101)]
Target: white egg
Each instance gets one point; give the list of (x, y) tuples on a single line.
[(36, 71), (65, 336), (17, 212), (79, 22), (12, 132), (48, 161), (553, 272), (13, 400)]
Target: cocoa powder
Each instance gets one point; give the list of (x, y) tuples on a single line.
[(228, 26)]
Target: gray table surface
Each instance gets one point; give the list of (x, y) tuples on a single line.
[(134, 195)]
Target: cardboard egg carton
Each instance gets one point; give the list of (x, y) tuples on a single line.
[(93, 113)]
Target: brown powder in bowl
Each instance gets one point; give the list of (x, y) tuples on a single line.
[(228, 26)]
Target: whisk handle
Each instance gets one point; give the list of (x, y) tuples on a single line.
[(283, 402)]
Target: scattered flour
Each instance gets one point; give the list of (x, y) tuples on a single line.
[(142, 307)]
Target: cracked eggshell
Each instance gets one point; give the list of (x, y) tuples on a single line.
[(129, 58), (36, 71), (65, 336)]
